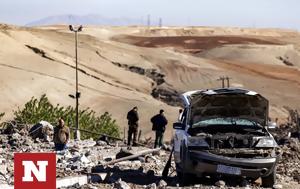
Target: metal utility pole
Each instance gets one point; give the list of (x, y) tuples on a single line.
[(223, 81), (228, 81), (77, 94), (149, 20), (160, 22)]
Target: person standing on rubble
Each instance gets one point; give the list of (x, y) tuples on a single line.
[(133, 118), (61, 135), (159, 122)]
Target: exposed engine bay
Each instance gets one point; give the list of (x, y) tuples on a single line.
[(256, 144), (224, 132), (230, 140)]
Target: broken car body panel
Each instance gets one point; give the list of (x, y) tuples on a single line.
[(224, 132), (227, 103)]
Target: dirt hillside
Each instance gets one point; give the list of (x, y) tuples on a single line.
[(122, 67)]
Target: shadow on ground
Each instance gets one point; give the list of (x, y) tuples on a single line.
[(140, 177)]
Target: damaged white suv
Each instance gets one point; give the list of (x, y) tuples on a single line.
[(224, 132)]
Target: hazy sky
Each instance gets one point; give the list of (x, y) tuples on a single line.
[(247, 13)]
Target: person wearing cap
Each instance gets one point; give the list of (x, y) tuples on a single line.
[(159, 123), (133, 118)]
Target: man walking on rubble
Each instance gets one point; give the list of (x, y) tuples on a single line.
[(159, 122), (61, 135), (133, 118)]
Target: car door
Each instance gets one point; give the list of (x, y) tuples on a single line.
[(180, 136)]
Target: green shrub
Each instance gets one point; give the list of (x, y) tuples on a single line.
[(41, 109)]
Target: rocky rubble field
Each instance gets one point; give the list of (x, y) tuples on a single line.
[(87, 157)]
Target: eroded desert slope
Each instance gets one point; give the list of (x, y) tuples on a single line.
[(122, 67)]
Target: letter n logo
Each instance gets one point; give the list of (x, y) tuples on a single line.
[(35, 170)]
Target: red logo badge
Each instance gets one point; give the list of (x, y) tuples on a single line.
[(35, 170)]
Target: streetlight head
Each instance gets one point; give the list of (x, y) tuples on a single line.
[(71, 27), (80, 28), (71, 96)]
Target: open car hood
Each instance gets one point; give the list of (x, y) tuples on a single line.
[(227, 102)]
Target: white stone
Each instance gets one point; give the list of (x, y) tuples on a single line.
[(220, 183), (151, 186), (162, 184), (124, 163), (3, 169), (69, 181), (277, 186), (136, 163), (101, 143), (84, 159), (121, 185), (6, 186)]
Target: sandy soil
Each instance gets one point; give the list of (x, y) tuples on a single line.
[(263, 60)]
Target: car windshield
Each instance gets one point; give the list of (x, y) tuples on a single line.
[(225, 121)]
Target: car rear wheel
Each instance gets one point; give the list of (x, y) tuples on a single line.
[(269, 180)]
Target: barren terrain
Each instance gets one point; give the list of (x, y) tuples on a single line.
[(122, 67)]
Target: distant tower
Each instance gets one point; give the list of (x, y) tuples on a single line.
[(142, 21), (149, 20), (160, 22)]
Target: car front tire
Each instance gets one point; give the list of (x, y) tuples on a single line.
[(269, 180), (183, 177)]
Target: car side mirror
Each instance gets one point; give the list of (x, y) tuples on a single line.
[(179, 126)]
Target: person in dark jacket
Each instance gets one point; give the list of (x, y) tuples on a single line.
[(61, 135), (159, 123), (133, 118)]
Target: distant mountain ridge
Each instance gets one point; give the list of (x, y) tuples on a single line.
[(91, 19)]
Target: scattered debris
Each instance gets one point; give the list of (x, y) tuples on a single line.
[(86, 163), (142, 153), (41, 130)]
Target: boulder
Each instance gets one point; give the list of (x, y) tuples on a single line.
[(277, 186), (121, 185), (162, 184), (220, 183), (151, 186)]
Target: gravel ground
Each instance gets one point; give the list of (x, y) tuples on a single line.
[(88, 156)]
